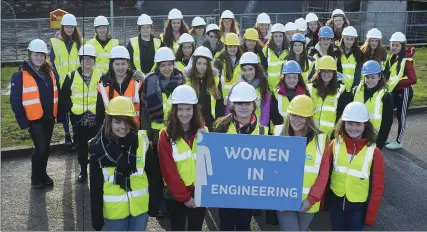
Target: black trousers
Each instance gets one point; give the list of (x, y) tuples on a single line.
[(235, 219), (155, 180), (179, 214), (83, 135), (41, 134), (401, 102)]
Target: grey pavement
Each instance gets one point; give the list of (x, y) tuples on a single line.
[(66, 206)]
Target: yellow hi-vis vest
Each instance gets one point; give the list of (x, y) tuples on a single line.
[(274, 66), (180, 66), (103, 53), (348, 70), (119, 204), (259, 129), (213, 100), (83, 96), (374, 105), (313, 158), (64, 62), (136, 53), (351, 179), (175, 44), (167, 105), (394, 76), (282, 103), (325, 112), (228, 85)]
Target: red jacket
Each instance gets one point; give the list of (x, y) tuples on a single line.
[(318, 188), (408, 72), (170, 174), (376, 180)]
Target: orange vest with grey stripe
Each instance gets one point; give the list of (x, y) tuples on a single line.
[(31, 96), (132, 93)]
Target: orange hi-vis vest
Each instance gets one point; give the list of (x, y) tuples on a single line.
[(31, 96), (132, 93)]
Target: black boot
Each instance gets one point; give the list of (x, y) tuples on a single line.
[(47, 181), (83, 174)]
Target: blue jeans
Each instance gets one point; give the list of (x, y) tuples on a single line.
[(130, 223), (350, 220)]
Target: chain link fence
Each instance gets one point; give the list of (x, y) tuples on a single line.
[(17, 33)]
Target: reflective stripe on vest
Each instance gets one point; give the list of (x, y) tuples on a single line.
[(325, 110), (175, 44), (373, 104), (180, 66), (167, 105), (136, 53), (132, 93), (228, 85), (351, 179), (274, 66), (119, 204), (83, 96), (103, 53), (31, 96), (282, 104), (185, 160), (313, 158), (64, 62), (394, 76), (348, 70), (256, 131)]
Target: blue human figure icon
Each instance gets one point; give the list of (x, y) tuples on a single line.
[(203, 168)]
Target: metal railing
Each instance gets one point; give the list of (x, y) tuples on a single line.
[(17, 33)]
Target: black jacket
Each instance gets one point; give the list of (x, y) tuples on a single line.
[(146, 54)]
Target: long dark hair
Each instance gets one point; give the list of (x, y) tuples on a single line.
[(368, 133), (168, 32), (174, 127), (354, 49), (272, 44), (180, 54), (229, 66), (318, 83), (300, 83), (393, 59), (366, 52), (257, 49), (112, 78), (263, 81), (46, 66), (108, 121), (75, 37), (209, 78), (222, 123), (303, 62)]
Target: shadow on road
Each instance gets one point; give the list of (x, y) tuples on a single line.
[(37, 215)]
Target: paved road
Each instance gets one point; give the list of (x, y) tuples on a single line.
[(66, 205)]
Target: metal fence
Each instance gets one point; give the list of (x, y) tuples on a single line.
[(17, 33)]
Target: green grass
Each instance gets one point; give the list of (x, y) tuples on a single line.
[(420, 93), (6, 75), (12, 135)]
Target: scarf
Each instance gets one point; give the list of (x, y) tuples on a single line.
[(120, 153), (156, 84), (245, 128), (284, 91), (254, 83)]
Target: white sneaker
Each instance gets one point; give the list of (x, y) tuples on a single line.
[(394, 145)]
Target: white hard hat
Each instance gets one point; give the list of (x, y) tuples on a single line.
[(374, 34), (144, 19), (338, 12), (37, 45), (263, 18), (198, 21), (119, 52), (100, 21), (398, 37), (68, 20), (87, 50), (203, 51), (184, 94), (175, 14), (278, 27), (243, 92), (227, 15), (249, 58), (349, 31), (186, 38), (211, 27), (164, 54), (311, 17), (355, 112), (291, 26), (301, 24)]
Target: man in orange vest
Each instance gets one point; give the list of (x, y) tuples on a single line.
[(34, 100)]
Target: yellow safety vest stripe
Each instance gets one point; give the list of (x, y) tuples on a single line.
[(84, 97)]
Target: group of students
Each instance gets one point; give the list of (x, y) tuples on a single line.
[(137, 110)]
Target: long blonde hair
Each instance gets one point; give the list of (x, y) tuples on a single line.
[(309, 127)]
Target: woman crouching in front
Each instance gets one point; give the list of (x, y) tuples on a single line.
[(240, 120), (299, 122), (118, 181), (178, 168)]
